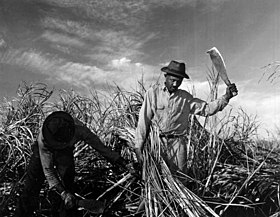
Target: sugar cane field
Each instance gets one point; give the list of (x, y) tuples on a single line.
[(167, 107), (230, 177)]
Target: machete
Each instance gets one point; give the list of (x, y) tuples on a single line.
[(91, 205), (220, 65)]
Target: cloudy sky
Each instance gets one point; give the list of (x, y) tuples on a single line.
[(92, 43)]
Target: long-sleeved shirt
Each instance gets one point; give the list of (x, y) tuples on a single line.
[(171, 111), (82, 133)]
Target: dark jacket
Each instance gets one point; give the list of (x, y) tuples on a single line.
[(82, 133)]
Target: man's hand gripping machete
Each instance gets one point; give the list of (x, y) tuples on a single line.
[(220, 65)]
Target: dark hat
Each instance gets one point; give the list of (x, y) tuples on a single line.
[(177, 69), (58, 129)]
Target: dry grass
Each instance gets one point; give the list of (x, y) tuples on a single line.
[(229, 176)]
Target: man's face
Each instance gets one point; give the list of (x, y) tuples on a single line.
[(172, 83)]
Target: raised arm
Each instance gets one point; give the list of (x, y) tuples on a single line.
[(200, 107)]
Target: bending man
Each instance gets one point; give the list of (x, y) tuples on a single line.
[(53, 159)]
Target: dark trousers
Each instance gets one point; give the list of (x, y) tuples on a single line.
[(29, 199)]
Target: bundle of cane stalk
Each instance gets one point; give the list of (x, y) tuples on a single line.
[(164, 194)]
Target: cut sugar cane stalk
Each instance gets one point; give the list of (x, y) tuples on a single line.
[(125, 178)]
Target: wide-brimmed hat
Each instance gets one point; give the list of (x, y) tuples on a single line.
[(58, 129), (177, 69)]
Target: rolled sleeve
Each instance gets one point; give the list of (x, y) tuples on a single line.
[(198, 107), (46, 157)]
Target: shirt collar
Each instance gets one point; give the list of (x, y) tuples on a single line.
[(164, 89)]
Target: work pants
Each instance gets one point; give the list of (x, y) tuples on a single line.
[(178, 154)]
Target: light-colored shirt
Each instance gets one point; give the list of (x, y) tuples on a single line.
[(82, 133), (170, 112)]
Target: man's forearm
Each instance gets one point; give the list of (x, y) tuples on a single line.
[(216, 105), (94, 141), (59, 188)]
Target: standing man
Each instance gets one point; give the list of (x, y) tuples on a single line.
[(53, 159), (169, 108)]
